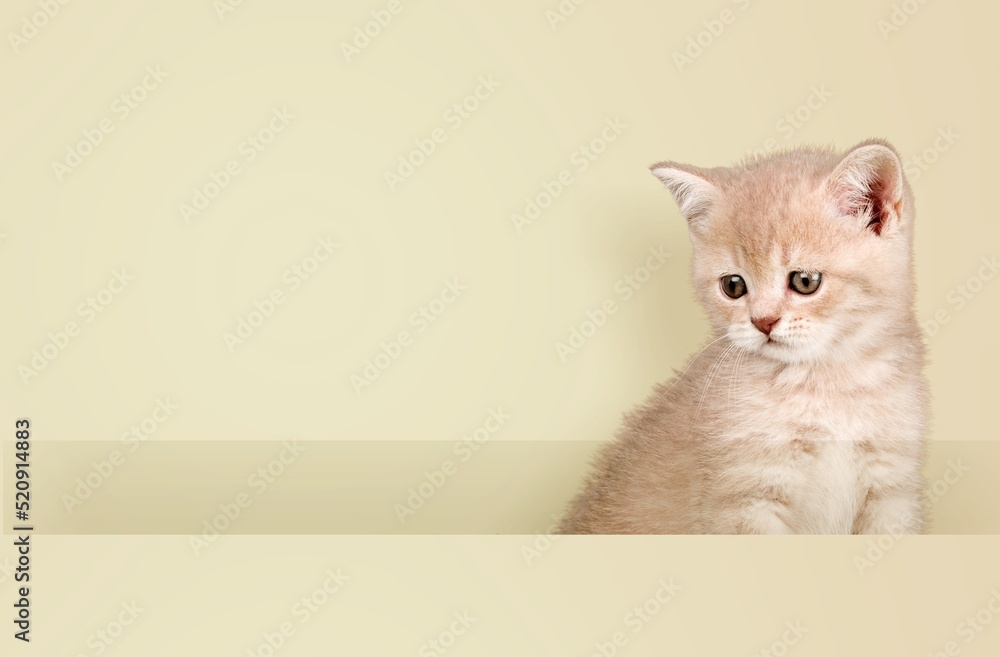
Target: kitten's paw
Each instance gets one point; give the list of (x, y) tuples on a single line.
[(761, 517), (895, 515)]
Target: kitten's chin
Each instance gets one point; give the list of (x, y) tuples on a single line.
[(784, 352), (776, 349)]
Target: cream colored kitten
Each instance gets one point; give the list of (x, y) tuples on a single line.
[(807, 412)]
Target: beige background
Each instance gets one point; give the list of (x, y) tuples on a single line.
[(323, 176)]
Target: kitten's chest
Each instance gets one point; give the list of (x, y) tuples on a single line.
[(802, 404), (830, 488), (828, 440)]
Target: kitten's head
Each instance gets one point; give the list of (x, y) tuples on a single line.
[(802, 255)]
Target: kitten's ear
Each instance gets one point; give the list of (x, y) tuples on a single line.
[(868, 185), (694, 194)]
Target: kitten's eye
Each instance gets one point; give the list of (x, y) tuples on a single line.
[(805, 282), (734, 286)]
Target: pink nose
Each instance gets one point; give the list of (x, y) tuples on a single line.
[(765, 324)]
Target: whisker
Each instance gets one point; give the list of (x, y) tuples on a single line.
[(690, 363), (734, 377), (711, 375)]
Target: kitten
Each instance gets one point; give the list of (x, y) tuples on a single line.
[(806, 413)]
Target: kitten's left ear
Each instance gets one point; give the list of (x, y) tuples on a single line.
[(868, 185), (694, 194)]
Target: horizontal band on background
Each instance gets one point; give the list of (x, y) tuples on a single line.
[(403, 487)]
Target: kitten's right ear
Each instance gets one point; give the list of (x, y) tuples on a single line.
[(694, 194), (868, 184)]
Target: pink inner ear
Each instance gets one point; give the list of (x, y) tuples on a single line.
[(873, 195), (879, 199)]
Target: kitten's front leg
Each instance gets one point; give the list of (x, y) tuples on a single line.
[(893, 513), (752, 497), (763, 516), (753, 515), (894, 488)]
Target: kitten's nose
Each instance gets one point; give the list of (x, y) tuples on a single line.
[(765, 324)]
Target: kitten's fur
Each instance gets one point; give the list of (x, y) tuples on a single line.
[(821, 429)]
